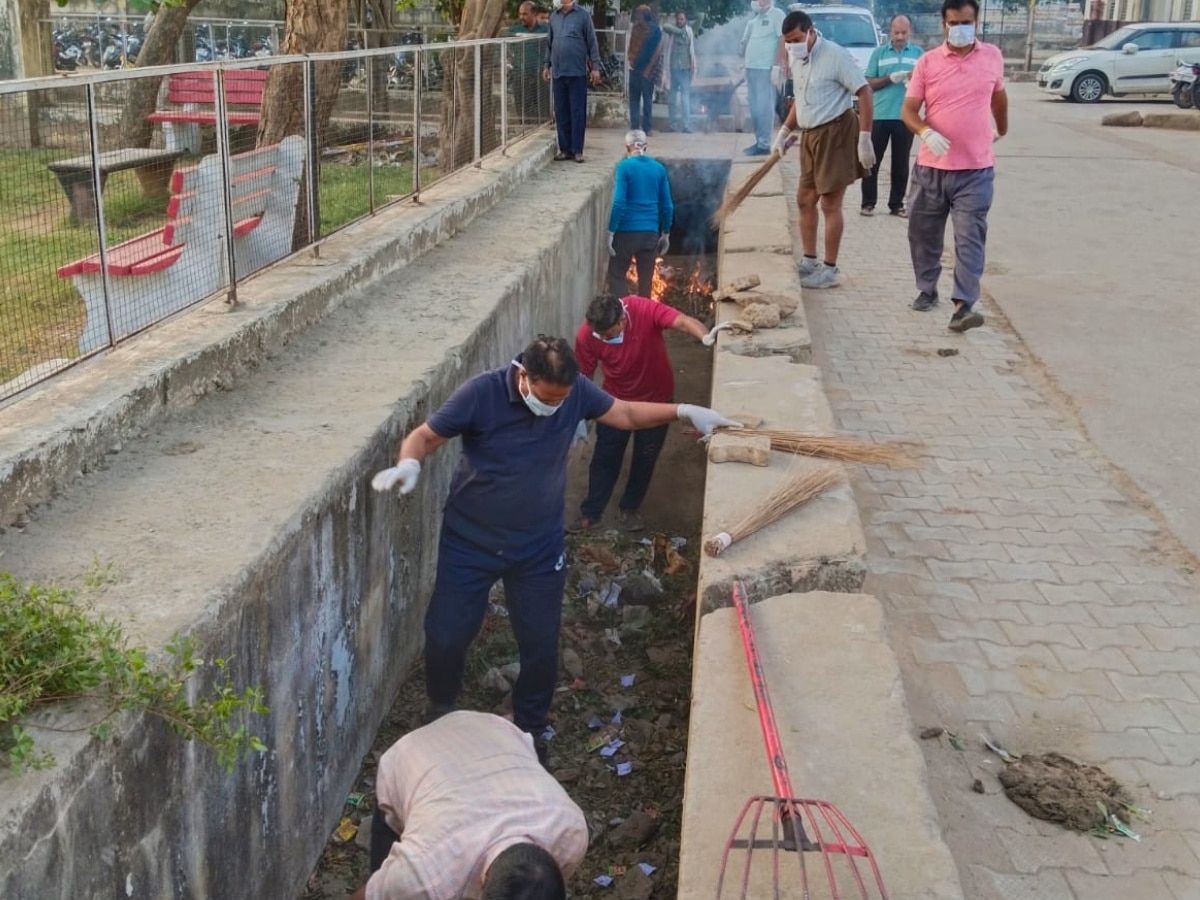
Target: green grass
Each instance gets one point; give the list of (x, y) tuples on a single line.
[(42, 315), (344, 191)]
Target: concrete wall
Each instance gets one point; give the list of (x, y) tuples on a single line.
[(313, 585)]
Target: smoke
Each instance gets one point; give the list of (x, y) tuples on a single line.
[(717, 42), (697, 188)]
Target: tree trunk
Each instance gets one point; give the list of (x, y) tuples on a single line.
[(157, 50), (310, 26), (481, 19), (381, 20), (36, 58)]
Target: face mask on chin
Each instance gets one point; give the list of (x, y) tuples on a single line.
[(960, 35)]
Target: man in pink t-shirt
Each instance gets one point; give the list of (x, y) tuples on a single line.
[(624, 337), (960, 84)]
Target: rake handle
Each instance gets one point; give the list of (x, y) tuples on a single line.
[(762, 700)]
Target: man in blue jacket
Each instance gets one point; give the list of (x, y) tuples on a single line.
[(570, 46), (639, 223)]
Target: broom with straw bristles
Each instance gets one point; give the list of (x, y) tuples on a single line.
[(795, 490), (734, 200), (842, 449)]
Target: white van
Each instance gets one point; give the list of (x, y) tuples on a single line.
[(853, 27)]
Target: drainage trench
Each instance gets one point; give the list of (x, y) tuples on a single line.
[(628, 610)]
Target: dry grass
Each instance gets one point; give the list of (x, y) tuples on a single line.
[(795, 490), (836, 447)]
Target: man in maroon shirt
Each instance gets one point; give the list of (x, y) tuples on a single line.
[(625, 338)]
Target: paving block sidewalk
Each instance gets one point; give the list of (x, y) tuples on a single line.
[(1027, 594)]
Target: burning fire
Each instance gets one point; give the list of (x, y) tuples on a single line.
[(664, 280)]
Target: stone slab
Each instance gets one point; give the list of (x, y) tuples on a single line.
[(819, 546), (847, 738)]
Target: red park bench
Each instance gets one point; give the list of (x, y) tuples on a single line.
[(192, 102), (159, 273)]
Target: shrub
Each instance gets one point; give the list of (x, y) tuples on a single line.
[(55, 648)]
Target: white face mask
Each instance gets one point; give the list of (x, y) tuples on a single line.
[(536, 406), (960, 35), (797, 52)]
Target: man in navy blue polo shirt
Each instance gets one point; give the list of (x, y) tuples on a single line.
[(504, 514)]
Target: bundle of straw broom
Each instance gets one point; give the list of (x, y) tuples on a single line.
[(843, 449), (796, 490), (734, 200)]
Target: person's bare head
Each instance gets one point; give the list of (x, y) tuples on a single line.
[(680, 19), (901, 31), (526, 14), (524, 872), (543, 15)]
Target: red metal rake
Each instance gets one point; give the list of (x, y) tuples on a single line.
[(800, 827)]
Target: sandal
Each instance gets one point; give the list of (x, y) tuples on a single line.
[(582, 524), (580, 158), (901, 212), (631, 521), (562, 156)]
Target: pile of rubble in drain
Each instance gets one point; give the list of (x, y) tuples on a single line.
[(619, 720)]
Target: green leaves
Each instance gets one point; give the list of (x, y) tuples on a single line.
[(53, 648)]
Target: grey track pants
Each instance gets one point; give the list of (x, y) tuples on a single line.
[(964, 197)]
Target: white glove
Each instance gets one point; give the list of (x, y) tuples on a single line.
[(581, 433), (612, 251), (664, 243), (711, 338), (898, 76), (783, 141), (777, 79), (866, 150), (704, 419), (938, 144), (405, 473)]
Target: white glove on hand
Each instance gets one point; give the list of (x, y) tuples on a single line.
[(938, 144), (664, 244), (405, 473), (898, 76), (777, 77), (612, 251), (866, 150), (782, 142), (581, 433), (711, 338), (704, 419)]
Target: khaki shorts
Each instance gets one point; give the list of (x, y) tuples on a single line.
[(829, 155)]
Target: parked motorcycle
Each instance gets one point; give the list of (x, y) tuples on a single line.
[(1185, 84)]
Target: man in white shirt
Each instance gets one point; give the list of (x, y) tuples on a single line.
[(467, 811), (760, 49), (835, 144)]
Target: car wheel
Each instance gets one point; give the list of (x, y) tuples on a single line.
[(1182, 97), (1088, 88)]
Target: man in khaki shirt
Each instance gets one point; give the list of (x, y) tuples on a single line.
[(467, 811)]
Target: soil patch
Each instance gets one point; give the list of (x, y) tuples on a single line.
[(1058, 789)]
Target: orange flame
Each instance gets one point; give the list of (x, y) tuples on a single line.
[(661, 281)]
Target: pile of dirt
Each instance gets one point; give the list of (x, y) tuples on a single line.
[(619, 719), (1056, 788)]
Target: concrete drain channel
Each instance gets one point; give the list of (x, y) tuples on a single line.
[(624, 695)]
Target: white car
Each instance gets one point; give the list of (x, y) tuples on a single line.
[(851, 26), (1135, 59)]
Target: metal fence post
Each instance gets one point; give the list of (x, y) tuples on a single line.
[(224, 156), (417, 79), (101, 230), (478, 106), (310, 138), (504, 96), (371, 133)]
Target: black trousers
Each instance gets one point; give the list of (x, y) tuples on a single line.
[(606, 467), (642, 248), (883, 131)]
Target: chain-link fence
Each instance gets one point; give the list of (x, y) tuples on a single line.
[(131, 196)]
